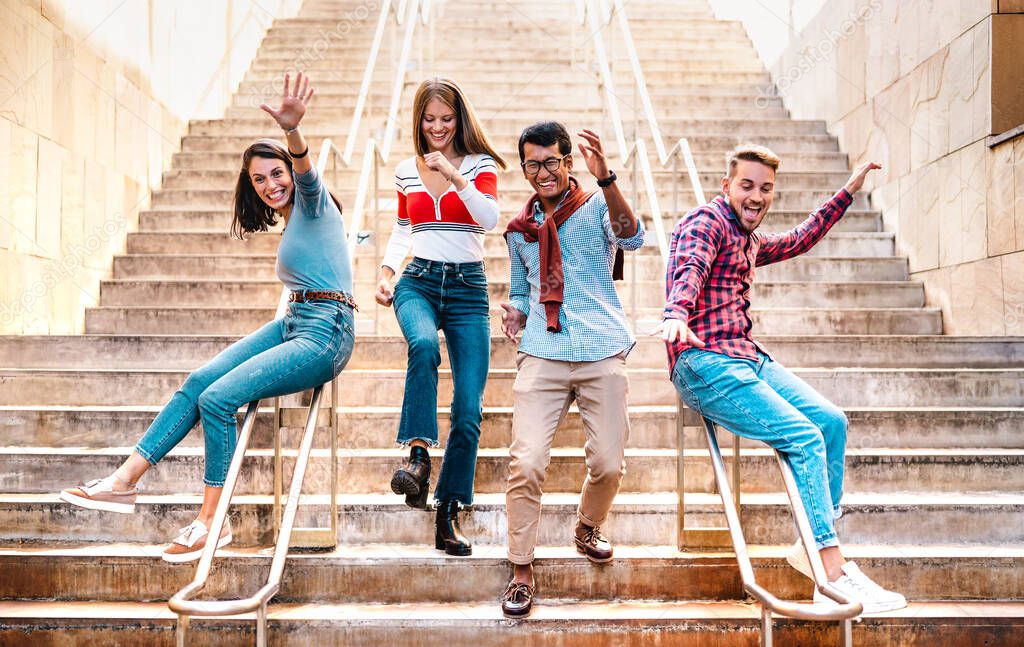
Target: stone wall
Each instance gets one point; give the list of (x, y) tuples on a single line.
[(919, 86), (94, 97)]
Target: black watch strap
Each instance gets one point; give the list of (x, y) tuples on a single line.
[(607, 181)]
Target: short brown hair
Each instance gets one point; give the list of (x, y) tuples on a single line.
[(469, 136), (751, 153)]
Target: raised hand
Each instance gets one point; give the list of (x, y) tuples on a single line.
[(293, 102), (856, 180), (593, 155), (511, 321), (676, 330)]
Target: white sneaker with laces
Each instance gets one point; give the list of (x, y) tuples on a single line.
[(858, 586), (189, 544)]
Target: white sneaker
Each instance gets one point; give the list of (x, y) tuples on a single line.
[(858, 586), (189, 544), (797, 558)]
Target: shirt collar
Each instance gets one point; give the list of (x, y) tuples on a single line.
[(538, 209)]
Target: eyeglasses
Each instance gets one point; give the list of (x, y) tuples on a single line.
[(532, 167)]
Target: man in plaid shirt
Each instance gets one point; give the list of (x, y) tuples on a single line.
[(722, 373)]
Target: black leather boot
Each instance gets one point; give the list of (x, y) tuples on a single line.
[(413, 478), (447, 535)]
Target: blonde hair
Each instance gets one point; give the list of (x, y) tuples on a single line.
[(751, 153), (469, 136)]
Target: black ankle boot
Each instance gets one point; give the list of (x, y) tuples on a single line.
[(413, 478), (447, 535)]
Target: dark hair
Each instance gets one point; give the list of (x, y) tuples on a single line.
[(251, 213), (545, 133)]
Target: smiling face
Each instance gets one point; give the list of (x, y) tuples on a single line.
[(272, 181), (549, 185), (439, 125), (749, 190)]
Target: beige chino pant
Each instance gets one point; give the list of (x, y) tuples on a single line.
[(543, 391)]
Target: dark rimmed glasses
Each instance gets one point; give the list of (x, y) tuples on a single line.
[(532, 167)]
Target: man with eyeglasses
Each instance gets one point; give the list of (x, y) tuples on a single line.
[(565, 251)]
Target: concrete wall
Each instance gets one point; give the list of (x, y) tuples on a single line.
[(918, 85), (94, 97)]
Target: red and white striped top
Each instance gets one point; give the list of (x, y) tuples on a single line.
[(450, 228)]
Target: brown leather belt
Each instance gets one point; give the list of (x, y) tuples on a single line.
[(322, 295)]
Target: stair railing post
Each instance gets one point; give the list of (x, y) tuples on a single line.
[(766, 626), (261, 625), (181, 631)]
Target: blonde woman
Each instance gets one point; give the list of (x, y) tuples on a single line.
[(447, 200)]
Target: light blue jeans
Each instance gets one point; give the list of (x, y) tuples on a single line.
[(306, 348), (764, 401)]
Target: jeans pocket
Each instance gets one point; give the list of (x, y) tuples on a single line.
[(474, 280), (414, 270)]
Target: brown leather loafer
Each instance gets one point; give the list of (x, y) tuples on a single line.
[(517, 601), (593, 544)]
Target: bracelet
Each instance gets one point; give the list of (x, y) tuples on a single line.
[(607, 181), (298, 155), (289, 132)]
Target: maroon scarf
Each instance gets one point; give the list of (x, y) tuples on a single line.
[(552, 277)]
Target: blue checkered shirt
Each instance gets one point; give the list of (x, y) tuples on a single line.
[(593, 322)]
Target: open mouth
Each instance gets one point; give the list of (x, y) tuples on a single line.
[(546, 185), (275, 196), (439, 137), (751, 213)]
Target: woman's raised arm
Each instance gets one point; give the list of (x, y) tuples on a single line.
[(293, 107)]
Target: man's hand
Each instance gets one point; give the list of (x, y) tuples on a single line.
[(856, 180), (593, 155), (512, 321), (674, 330)]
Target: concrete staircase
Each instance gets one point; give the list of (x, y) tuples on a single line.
[(934, 505)]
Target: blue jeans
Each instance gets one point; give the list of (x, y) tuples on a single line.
[(306, 348), (452, 297), (764, 401)]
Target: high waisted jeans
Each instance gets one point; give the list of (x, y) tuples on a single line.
[(764, 401), (306, 348), (452, 297)]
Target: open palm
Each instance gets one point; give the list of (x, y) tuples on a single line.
[(293, 102)]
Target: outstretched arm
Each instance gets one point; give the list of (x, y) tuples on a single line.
[(624, 223), (293, 107), (796, 241)]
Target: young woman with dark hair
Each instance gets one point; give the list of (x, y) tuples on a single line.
[(447, 200), (308, 347)]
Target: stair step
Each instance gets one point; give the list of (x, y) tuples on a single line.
[(366, 574), (599, 623), (368, 471), (649, 294), (650, 427), (1002, 387), (635, 519), (648, 267)]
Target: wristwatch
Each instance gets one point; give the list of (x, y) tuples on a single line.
[(607, 181)]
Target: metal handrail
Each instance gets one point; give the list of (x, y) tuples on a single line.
[(845, 609), (182, 603), (599, 14)]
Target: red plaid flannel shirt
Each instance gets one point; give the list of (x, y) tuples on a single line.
[(711, 267)]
